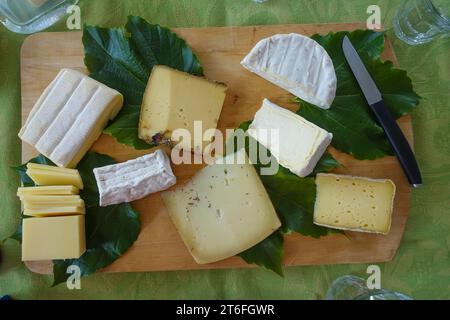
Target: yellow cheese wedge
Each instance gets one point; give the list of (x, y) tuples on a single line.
[(174, 100), (222, 211), (53, 238), (354, 203), (54, 211), (47, 190), (51, 175)]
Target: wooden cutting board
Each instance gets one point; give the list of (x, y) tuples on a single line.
[(159, 247)]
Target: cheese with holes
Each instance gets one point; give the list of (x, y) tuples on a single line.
[(296, 143), (45, 175), (134, 179), (354, 203), (174, 100), (47, 190), (49, 211), (53, 238), (297, 64), (69, 116), (222, 211)]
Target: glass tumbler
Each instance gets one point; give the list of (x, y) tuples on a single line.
[(29, 16), (421, 21)]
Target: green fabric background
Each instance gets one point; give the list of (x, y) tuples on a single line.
[(421, 267)]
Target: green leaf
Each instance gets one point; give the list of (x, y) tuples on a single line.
[(326, 164), (268, 253), (355, 130), (123, 59), (124, 128), (110, 231)]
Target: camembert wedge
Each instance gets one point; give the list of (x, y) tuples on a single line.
[(222, 211), (354, 203)]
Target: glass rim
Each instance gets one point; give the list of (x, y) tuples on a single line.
[(438, 12)]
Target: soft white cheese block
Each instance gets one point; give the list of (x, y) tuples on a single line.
[(222, 211), (134, 179), (300, 144), (297, 64), (69, 116), (354, 203)]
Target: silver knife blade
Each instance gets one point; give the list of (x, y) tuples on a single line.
[(368, 86)]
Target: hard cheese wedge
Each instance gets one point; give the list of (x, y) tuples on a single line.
[(222, 211), (296, 143), (51, 175), (174, 100), (69, 116), (49, 211), (134, 179), (53, 238), (47, 190), (354, 203)]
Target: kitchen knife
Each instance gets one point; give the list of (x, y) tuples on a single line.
[(391, 129)]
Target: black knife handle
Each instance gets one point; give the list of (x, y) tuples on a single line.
[(399, 143)]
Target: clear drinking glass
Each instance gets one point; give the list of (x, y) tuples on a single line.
[(420, 21), (29, 16), (355, 288)]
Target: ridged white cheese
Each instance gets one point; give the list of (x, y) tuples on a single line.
[(297, 64), (69, 116), (299, 144), (134, 179), (354, 203), (223, 210)]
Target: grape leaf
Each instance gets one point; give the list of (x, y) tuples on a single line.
[(355, 130), (110, 231), (122, 58)]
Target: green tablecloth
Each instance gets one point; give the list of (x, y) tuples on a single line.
[(421, 267)]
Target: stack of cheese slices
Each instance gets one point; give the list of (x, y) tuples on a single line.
[(54, 228), (224, 209)]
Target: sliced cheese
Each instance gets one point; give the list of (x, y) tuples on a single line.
[(69, 116), (53, 238), (354, 203), (48, 190), (44, 202), (45, 175), (296, 143), (134, 179), (174, 100), (297, 64), (54, 211), (222, 211)]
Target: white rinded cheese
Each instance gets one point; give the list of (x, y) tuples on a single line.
[(222, 211), (297, 64), (134, 179), (354, 203), (69, 116), (300, 144)]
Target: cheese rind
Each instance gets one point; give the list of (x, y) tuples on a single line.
[(45, 175), (53, 238), (134, 179), (222, 211), (297, 64), (46, 211), (47, 190), (69, 116), (300, 144), (174, 100), (354, 203)]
